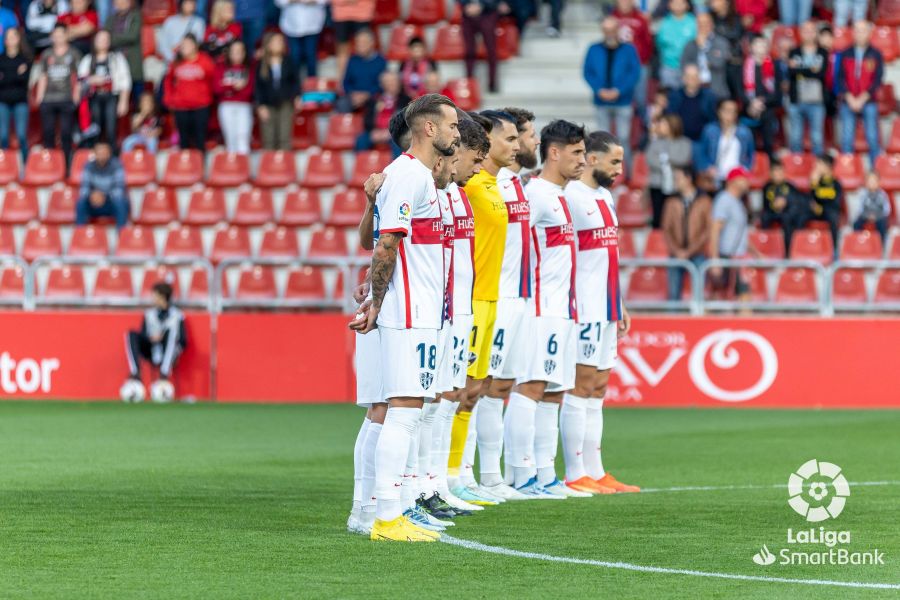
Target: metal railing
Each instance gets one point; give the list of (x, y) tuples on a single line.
[(691, 305), (821, 305), (878, 267)]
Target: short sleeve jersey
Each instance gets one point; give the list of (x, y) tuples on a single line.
[(515, 274), (463, 250), (597, 241), (553, 250), (490, 234)]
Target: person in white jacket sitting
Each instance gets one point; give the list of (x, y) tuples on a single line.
[(106, 78)]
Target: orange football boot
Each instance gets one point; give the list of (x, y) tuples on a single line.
[(609, 481), (586, 484)]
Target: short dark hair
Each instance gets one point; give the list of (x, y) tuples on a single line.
[(497, 117), (826, 29), (164, 289), (473, 136), (684, 170), (485, 123), (560, 133), (600, 141), (523, 116), (775, 163), (399, 130), (427, 106), (58, 25), (827, 159), (721, 102), (415, 40)]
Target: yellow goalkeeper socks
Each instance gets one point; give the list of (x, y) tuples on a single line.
[(458, 436)]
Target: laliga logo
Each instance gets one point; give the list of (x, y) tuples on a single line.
[(812, 484), (719, 346)]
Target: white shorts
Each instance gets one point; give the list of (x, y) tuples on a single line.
[(598, 344), (367, 359), (411, 360), (459, 342), (510, 345), (552, 353), (444, 381)]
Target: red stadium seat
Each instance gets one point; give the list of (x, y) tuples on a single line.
[(44, 167), (184, 168), (158, 207), (455, 14), (279, 242), (426, 12), (20, 205), (888, 13), (449, 43), (233, 242), (632, 209), (343, 129), (324, 170), (154, 12), (80, 158), (843, 39), (756, 281), (885, 40), (328, 242), (140, 167), (888, 168), (159, 273), (65, 283), (7, 240), (254, 207), (466, 92), (198, 290), (887, 101), (861, 245), (61, 206), (812, 244), (507, 40), (626, 244), (640, 172), (656, 245), (796, 286), (9, 166), (206, 207), (648, 284), (759, 175), (306, 132), (113, 283), (894, 248), (256, 283), (229, 169), (400, 36), (797, 169), (302, 208), (12, 282), (40, 241), (893, 145), (849, 287), (768, 242), (386, 11), (366, 163), (136, 241), (276, 169), (305, 283), (183, 241), (148, 40), (888, 289), (347, 208), (848, 169), (318, 84), (89, 240)]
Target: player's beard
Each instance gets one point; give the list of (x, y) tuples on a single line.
[(526, 160), (603, 178), (445, 148)]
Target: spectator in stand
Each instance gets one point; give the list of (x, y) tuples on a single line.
[(752, 13), (826, 42), (188, 93), (107, 84), (125, 28), (710, 53), (58, 91), (102, 192), (361, 79), (276, 94), (349, 18), (728, 237), (480, 17), (634, 29), (728, 25), (659, 105), (41, 19), (875, 207), (807, 67), (612, 70), (434, 85), (826, 197), (145, 125), (686, 225), (794, 12), (668, 150), (783, 205), (222, 29), (761, 92), (176, 27), (301, 22), (15, 68), (849, 11), (414, 69), (724, 145), (251, 15), (379, 110), (234, 91), (675, 31), (859, 75), (695, 104), (80, 24)]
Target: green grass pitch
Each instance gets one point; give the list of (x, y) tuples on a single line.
[(215, 501)]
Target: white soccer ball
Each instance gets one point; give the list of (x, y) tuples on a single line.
[(162, 391), (132, 391)]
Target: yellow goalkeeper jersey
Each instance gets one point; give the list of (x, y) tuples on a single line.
[(490, 234)]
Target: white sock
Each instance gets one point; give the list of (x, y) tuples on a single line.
[(490, 439), (509, 477), (370, 445), (440, 455), (520, 427), (358, 467), (467, 470), (426, 432), (410, 490), (546, 435), (397, 433), (572, 417), (593, 432)]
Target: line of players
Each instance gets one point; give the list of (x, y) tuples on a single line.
[(484, 289)]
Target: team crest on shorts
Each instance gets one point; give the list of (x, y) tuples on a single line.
[(455, 369), (549, 366), (472, 358), (496, 359), (426, 379), (588, 350)]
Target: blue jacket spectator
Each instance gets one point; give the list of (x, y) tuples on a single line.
[(695, 105), (8, 20), (362, 77), (725, 144), (102, 192), (612, 66)]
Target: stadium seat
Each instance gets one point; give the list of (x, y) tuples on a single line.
[(156, 274), (198, 290), (507, 41), (80, 158), (279, 242), (843, 39), (768, 242), (343, 129), (328, 242), (347, 208), (888, 168), (861, 245), (305, 283), (61, 205), (759, 175), (140, 167), (319, 84), (426, 12), (256, 283), (306, 132), (398, 48), (206, 207), (366, 163), (796, 286), (324, 170), (640, 172), (632, 209), (89, 241), (894, 248), (466, 92), (228, 169), (885, 40), (44, 167), (148, 40), (12, 282), (154, 12), (893, 145), (849, 287), (848, 169), (449, 43), (648, 284), (888, 13), (797, 169), (9, 166), (20, 205), (184, 168), (656, 245), (136, 241), (812, 244), (64, 283), (888, 288), (302, 208), (7, 240), (232, 242), (113, 283), (254, 207), (887, 101), (626, 244), (386, 12), (158, 207), (276, 169), (756, 281), (183, 241), (41, 241)]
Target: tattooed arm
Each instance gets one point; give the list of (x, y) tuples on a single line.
[(383, 261), (366, 224)]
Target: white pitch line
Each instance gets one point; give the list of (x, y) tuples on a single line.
[(713, 488), (663, 570)]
